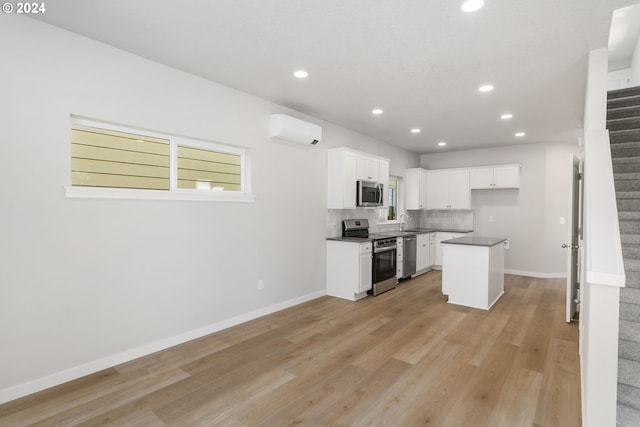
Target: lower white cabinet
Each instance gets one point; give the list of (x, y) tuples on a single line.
[(439, 237), (423, 251), (432, 249), (349, 269)]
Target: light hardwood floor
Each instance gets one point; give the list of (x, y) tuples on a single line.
[(404, 358)]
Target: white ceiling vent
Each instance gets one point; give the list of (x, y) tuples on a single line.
[(294, 130)]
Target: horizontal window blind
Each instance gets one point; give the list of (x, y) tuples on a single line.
[(208, 170), (101, 158)]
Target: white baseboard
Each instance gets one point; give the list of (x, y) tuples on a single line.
[(562, 275), (24, 389), (535, 274)]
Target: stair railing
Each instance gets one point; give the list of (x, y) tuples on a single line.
[(602, 259)]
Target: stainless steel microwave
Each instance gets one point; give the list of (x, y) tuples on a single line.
[(369, 193)]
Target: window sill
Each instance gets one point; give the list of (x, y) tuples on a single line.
[(126, 193)]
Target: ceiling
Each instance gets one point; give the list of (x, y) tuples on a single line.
[(420, 61)]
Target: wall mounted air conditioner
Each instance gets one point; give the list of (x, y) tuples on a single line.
[(294, 130)]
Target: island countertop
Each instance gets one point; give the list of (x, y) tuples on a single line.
[(475, 241)]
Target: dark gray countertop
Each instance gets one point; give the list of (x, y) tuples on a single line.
[(396, 233), (351, 239), (475, 241)]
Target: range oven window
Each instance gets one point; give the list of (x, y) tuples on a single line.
[(384, 265)]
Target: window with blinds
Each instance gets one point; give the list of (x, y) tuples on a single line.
[(208, 170), (115, 158), (102, 158)]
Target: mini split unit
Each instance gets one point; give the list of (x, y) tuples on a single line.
[(294, 130)]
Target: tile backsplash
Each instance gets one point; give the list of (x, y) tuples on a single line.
[(455, 220), (336, 216)]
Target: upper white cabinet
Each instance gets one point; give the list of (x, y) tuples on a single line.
[(384, 180), (368, 169), (448, 189), (416, 188), (493, 177), (341, 179), (344, 168)]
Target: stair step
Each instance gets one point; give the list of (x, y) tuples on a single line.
[(625, 195), (629, 331), (622, 93), (630, 296), (627, 204), (620, 136), (627, 184), (631, 250), (625, 101), (629, 350), (625, 149), (626, 176), (629, 237), (625, 165), (627, 416), (629, 372), (630, 215), (629, 396), (627, 123), (632, 279), (629, 226), (630, 313), (622, 112), (631, 265)]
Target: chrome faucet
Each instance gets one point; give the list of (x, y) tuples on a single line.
[(403, 214)]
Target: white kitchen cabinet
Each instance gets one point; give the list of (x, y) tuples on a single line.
[(341, 179), (366, 267), (399, 257), (344, 169), (422, 252), (439, 237), (384, 180), (349, 269), (432, 249), (368, 169), (494, 177), (448, 189), (416, 188)]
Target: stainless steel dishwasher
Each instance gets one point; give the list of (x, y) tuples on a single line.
[(409, 256)]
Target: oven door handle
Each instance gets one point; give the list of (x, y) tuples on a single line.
[(377, 251)]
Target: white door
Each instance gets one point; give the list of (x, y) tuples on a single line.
[(573, 239)]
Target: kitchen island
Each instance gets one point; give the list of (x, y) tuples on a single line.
[(473, 270)]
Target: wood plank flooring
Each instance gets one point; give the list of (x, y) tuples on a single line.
[(404, 358)]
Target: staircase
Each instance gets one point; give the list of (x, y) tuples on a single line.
[(623, 122)]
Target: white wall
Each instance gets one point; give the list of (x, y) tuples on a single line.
[(635, 65), (528, 217), (85, 283)]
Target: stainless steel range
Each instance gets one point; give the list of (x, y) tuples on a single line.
[(384, 254)]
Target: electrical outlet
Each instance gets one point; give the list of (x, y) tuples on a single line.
[(260, 284), (490, 218), (506, 244), (562, 221)]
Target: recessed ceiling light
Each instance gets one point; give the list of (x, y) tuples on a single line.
[(377, 111), (520, 134), (472, 5), (485, 88), (301, 74), (506, 116), (139, 140), (442, 143), (415, 130)]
